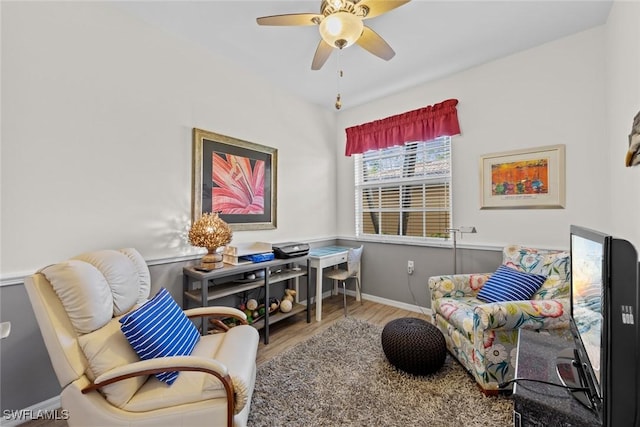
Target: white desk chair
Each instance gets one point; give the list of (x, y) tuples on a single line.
[(352, 272)]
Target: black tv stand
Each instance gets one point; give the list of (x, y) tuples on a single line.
[(537, 404), (572, 375)]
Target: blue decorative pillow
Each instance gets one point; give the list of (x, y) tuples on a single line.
[(507, 284), (159, 328)]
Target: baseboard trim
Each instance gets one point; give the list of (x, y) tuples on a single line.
[(42, 410), (384, 301)]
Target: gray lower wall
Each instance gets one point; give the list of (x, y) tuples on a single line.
[(384, 268), (26, 374)]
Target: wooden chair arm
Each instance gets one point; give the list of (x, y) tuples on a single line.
[(175, 363), (219, 312)]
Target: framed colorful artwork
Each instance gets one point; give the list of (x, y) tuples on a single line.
[(532, 178), (235, 178)]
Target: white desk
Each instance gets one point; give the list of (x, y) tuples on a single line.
[(320, 258)]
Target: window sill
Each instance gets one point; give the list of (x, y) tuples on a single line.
[(447, 244)]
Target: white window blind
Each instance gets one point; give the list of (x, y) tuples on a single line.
[(404, 192)]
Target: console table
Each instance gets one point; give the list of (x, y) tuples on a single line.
[(226, 281), (537, 404)]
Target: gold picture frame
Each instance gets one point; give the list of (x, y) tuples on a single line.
[(532, 178), (236, 178)]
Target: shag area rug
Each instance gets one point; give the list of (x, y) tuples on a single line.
[(341, 377)]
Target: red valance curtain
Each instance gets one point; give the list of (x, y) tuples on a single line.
[(422, 124)]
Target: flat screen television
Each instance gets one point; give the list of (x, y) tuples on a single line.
[(605, 299)]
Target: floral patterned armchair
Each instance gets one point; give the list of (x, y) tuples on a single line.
[(483, 336)]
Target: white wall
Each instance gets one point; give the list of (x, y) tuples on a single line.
[(623, 102), (84, 83), (551, 94), (97, 114)]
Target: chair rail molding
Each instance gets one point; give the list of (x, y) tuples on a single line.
[(17, 278)]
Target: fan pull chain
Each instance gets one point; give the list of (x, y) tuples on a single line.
[(338, 103)]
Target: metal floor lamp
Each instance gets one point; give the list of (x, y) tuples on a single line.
[(461, 230)]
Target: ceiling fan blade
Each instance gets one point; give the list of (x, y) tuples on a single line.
[(371, 41), (293, 19), (323, 51), (378, 7)]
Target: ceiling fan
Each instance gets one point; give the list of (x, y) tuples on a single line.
[(340, 24)]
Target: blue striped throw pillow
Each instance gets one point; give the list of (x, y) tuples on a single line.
[(507, 284), (159, 328)]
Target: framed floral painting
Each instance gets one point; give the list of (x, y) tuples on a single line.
[(533, 178), (235, 178)]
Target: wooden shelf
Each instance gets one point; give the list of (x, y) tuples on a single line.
[(236, 287), (219, 291), (278, 316), (229, 270), (224, 282)]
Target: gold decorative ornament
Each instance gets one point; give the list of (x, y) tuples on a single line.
[(286, 306), (211, 232)]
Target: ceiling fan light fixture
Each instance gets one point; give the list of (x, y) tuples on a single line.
[(341, 29)]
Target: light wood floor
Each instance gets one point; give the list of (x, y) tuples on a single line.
[(289, 332)]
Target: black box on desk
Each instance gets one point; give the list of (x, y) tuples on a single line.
[(290, 249)]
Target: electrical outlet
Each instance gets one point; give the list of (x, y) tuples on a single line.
[(410, 267), (5, 329)]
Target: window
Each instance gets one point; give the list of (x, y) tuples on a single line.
[(404, 192)]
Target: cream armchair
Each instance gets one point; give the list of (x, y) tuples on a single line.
[(78, 304), (483, 336)]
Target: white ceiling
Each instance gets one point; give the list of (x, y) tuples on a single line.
[(431, 39)]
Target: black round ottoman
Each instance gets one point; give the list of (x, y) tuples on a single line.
[(414, 345)]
